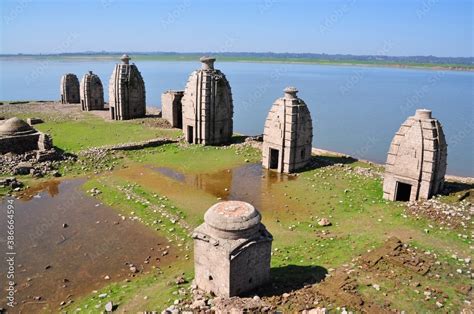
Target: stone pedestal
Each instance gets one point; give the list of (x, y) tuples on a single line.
[(232, 250)]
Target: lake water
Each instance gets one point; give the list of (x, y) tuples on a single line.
[(355, 110)]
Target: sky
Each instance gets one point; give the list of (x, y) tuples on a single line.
[(361, 27)]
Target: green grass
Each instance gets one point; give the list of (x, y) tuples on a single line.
[(194, 158), (145, 292), (73, 136)]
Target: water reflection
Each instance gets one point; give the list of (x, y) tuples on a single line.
[(248, 183)]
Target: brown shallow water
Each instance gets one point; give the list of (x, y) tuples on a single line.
[(60, 264), (250, 182)]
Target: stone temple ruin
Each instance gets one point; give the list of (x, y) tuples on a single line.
[(417, 159), (207, 106), (126, 92), (171, 108), (92, 92), (18, 137), (69, 89), (288, 134), (232, 250)]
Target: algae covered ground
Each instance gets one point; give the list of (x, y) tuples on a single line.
[(168, 188)]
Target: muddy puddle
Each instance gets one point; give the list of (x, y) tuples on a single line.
[(67, 243), (250, 183)]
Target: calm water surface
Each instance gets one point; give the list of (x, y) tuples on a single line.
[(355, 110)]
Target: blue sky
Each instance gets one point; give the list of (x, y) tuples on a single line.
[(389, 27)]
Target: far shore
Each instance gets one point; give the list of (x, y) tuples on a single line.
[(276, 60)]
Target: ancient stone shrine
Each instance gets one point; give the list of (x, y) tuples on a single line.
[(126, 91), (232, 249), (417, 159), (17, 136), (92, 92), (69, 89), (207, 106), (171, 107), (288, 134)]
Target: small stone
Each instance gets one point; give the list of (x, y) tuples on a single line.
[(439, 304), (107, 277), (180, 280), (65, 225), (324, 222), (376, 287), (103, 295), (109, 306)]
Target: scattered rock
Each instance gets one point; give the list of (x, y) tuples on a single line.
[(324, 222), (109, 306)]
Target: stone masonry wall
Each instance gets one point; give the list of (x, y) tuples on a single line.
[(171, 108)]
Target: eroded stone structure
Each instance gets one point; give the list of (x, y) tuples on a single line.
[(92, 92), (288, 134), (17, 136), (126, 91), (232, 250), (69, 89), (171, 107), (207, 106), (417, 159)]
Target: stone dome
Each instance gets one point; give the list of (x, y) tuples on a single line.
[(232, 220), (15, 126)]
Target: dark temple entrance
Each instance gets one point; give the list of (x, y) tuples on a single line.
[(403, 192), (190, 134), (274, 154)]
